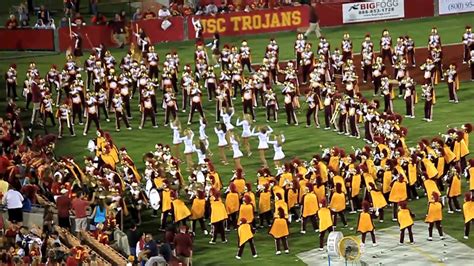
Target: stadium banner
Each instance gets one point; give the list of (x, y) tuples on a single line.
[(91, 35), (154, 29), (27, 39), (254, 22), (455, 6), (373, 10)]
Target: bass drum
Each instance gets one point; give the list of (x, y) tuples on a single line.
[(148, 187), (155, 199), (91, 146), (333, 243)]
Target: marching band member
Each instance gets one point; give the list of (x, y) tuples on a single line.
[(264, 205), (436, 55), (64, 116), (468, 212), (434, 40), (263, 137), (75, 95), (428, 93), (378, 201), (280, 232), (245, 234), (77, 40), (313, 109), (11, 82), (271, 105), (409, 96), (299, 47), (405, 220), (232, 205), (180, 210), (102, 104), (152, 61), (278, 149), (326, 94), (353, 117), (117, 104), (210, 82), (200, 69), (367, 62), (399, 52), (346, 47), (324, 48), (325, 222), (197, 212), (410, 50), (337, 205), (453, 83), (454, 189), (245, 56), (386, 46), (216, 53), (225, 57), (398, 191), (218, 217), (468, 43), (247, 99), (428, 69), (307, 61), (195, 95), (367, 44), (146, 108), (221, 131), (337, 62), (309, 209), (91, 111), (171, 105), (47, 109), (378, 70), (387, 92), (401, 71), (434, 216), (246, 124), (289, 93), (186, 86), (365, 224)]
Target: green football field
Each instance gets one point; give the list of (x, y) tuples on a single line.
[(300, 142)]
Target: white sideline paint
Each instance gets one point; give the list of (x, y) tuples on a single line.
[(437, 252)]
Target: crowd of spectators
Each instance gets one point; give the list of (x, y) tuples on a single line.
[(41, 18)]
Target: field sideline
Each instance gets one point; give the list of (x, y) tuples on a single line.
[(301, 142)]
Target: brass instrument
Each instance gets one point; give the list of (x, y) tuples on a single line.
[(335, 113)]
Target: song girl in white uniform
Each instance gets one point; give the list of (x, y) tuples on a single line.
[(278, 149), (246, 123), (188, 147), (227, 117), (234, 141), (176, 127), (263, 137), (222, 142), (201, 152)]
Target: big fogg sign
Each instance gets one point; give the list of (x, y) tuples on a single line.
[(373, 10)]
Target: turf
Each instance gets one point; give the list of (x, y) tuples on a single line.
[(301, 142)]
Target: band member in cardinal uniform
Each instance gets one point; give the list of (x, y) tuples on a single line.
[(11, 82), (346, 47), (271, 105), (436, 55), (468, 43), (409, 96), (245, 56), (152, 60), (377, 70), (428, 69), (428, 93), (146, 108), (245, 235), (367, 61), (434, 40), (336, 62), (186, 85), (117, 104), (196, 102), (102, 104), (410, 50), (313, 108), (386, 46), (279, 231), (92, 112), (210, 82), (365, 224), (434, 216), (47, 109), (170, 104), (307, 61), (400, 69), (453, 83), (324, 48), (387, 92), (300, 44), (326, 95), (247, 100), (289, 93), (64, 117)]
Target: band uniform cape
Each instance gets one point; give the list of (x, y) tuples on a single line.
[(468, 211), (279, 228), (398, 192), (325, 219), (197, 209), (404, 218), (180, 210), (245, 233), (218, 211), (378, 200), (365, 223), (310, 205), (338, 202), (435, 212), (232, 202), (246, 211)]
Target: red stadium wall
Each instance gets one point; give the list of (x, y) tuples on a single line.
[(330, 14), (260, 21), (26, 39), (153, 29), (96, 35)]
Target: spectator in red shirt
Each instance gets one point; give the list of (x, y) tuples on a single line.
[(79, 207), (12, 23), (63, 204), (99, 19), (149, 14), (183, 246)]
